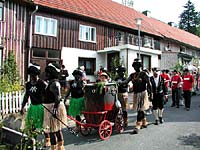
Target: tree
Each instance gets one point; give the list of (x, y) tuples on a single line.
[(189, 19)]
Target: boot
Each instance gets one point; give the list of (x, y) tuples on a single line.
[(125, 118), (47, 142), (61, 145), (77, 128), (125, 122), (53, 147), (144, 123), (137, 127)]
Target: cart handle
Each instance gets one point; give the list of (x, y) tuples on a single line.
[(96, 112)]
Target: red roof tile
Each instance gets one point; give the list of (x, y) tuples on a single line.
[(115, 13)]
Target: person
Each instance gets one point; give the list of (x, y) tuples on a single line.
[(77, 97), (167, 79), (54, 113), (180, 89), (35, 90), (63, 75), (142, 91), (82, 69), (159, 93), (175, 81), (188, 81), (122, 93)]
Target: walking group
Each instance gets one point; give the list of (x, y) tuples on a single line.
[(150, 91)]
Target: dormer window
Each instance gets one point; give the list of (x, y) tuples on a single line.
[(45, 26), (183, 49)]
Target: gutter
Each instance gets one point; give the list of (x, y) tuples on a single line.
[(31, 32)]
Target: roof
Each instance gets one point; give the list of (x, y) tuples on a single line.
[(115, 13)]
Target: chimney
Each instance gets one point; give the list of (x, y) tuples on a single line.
[(172, 24), (147, 13)]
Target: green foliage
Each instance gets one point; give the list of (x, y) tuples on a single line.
[(10, 80), (114, 64), (31, 133), (178, 67), (189, 19)]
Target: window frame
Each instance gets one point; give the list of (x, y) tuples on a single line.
[(92, 63), (42, 25), (82, 33), (1, 59), (2, 11)]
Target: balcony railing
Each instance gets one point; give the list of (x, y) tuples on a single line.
[(133, 40)]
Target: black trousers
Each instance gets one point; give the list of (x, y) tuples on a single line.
[(187, 97), (158, 101), (175, 97)]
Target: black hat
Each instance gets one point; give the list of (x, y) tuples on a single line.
[(186, 70), (77, 73), (155, 69), (53, 70), (137, 62), (120, 69), (33, 69)]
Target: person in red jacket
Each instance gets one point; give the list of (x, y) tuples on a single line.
[(167, 79), (175, 81), (188, 81)]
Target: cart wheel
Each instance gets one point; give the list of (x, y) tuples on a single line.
[(84, 129), (105, 130), (119, 124)]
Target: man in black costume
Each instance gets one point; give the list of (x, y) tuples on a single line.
[(142, 91), (123, 92)]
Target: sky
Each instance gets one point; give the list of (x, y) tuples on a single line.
[(164, 10)]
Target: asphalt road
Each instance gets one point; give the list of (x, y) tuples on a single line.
[(180, 131)]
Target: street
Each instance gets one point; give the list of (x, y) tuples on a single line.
[(180, 131)]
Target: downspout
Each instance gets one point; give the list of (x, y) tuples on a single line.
[(31, 31)]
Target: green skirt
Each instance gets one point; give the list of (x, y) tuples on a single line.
[(35, 117), (76, 105)]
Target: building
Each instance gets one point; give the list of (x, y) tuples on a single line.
[(90, 33)]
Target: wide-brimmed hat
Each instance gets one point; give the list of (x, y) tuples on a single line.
[(104, 74), (120, 69), (33, 69), (77, 73), (137, 62)]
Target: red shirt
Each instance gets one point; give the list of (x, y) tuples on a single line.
[(166, 78), (176, 79), (187, 82)]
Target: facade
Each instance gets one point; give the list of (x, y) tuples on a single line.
[(74, 34)]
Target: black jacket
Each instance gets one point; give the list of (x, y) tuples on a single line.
[(161, 88)]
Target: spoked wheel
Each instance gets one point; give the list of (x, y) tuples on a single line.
[(105, 130), (84, 129)]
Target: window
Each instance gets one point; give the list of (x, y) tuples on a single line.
[(45, 26), (87, 33), (45, 53), (89, 64), (1, 11)]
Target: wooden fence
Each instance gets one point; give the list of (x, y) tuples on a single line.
[(10, 102)]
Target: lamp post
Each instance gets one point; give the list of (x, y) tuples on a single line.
[(138, 22)]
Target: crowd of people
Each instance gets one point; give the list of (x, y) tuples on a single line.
[(150, 92)]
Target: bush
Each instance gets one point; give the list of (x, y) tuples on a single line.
[(10, 80)]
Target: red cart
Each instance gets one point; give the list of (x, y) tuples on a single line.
[(101, 112)]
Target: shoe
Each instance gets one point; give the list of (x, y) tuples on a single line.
[(161, 120), (187, 109), (177, 106), (172, 105), (156, 122), (135, 131)]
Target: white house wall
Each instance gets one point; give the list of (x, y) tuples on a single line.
[(70, 59)]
